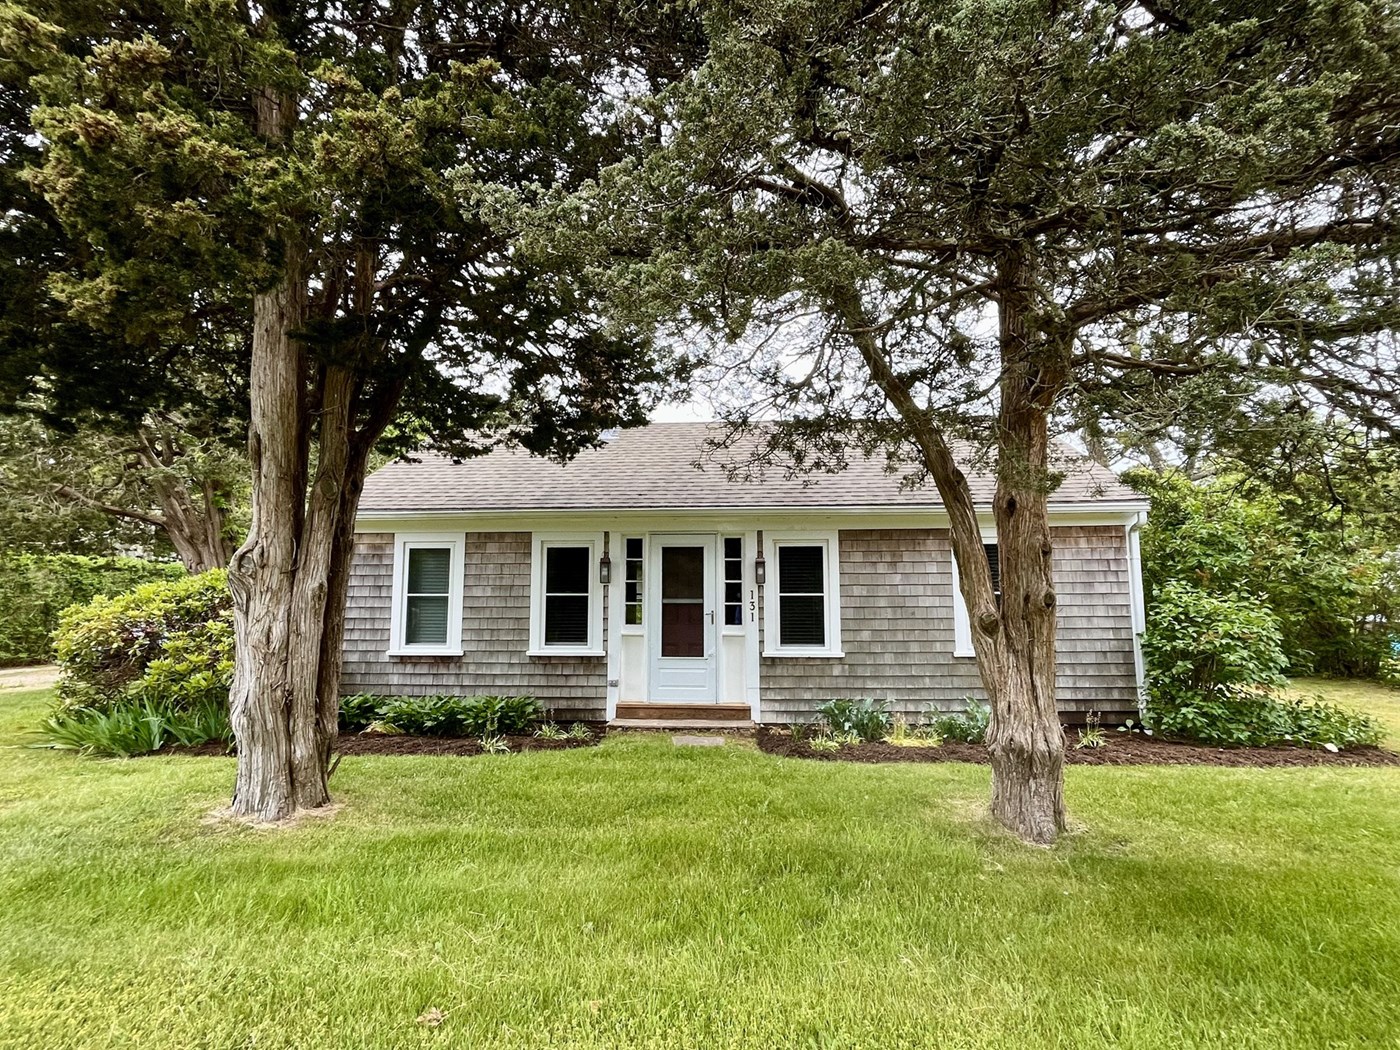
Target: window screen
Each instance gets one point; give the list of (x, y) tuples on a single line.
[(801, 595), (566, 576), (427, 595)]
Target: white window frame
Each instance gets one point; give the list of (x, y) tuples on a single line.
[(830, 543), (962, 622), (403, 543), (540, 543)]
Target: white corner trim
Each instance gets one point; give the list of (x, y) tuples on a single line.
[(830, 540), (1138, 601), (538, 542), (403, 542)]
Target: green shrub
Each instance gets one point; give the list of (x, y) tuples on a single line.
[(969, 727), (1265, 720), (459, 716), (137, 728), (360, 710), (168, 644), (1208, 648), (1215, 665), (36, 588), (865, 719)]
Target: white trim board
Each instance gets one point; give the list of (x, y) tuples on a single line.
[(727, 520)]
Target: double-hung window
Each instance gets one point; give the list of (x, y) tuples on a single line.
[(566, 602), (802, 599), (427, 595), (962, 622)]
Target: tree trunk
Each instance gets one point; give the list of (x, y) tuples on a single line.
[(1014, 641), (290, 577), (1017, 659), (263, 576)]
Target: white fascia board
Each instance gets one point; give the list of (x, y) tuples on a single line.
[(721, 519)]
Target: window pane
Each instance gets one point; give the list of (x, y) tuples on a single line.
[(802, 620), (429, 570), (800, 570), (566, 570), (566, 619), (733, 547), (634, 615), (634, 592), (733, 591), (734, 615), (683, 573), (634, 548), (683, 629), (426, 620)]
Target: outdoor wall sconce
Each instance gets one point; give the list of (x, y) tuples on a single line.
[(605, 569), (760, 568)]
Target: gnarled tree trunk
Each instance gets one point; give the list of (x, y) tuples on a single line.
[(1024, 739), (1014, 639)]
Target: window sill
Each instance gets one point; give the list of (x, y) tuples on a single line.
[(563, 651), (818, 654), (425, 651), (964, 654)]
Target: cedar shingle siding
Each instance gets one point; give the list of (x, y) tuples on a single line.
[(495, 634), (897, 628)]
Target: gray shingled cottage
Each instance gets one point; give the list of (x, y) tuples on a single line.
[(630, 584)]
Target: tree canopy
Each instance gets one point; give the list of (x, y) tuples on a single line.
[(936, 219)]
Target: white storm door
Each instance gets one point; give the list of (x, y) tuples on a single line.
[(682, 617)]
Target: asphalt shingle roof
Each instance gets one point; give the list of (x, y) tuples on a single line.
[(655, 467)]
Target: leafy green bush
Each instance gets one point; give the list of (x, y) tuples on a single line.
[(866, 719), (1265, 720), (969, 727), (1331, 581), (459, 716), (35, 589), (169, 644), (1215, 664), (1203, 647), (360, 710), (137, 728)]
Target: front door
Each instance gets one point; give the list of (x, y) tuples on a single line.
[(682, 637)]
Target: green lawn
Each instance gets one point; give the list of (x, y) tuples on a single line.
[(640, 895)]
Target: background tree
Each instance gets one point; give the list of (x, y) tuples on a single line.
[(173, 481), (928, 220), (322, 165)]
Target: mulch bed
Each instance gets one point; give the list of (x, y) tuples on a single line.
[(402, 744), (1122, 749)]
